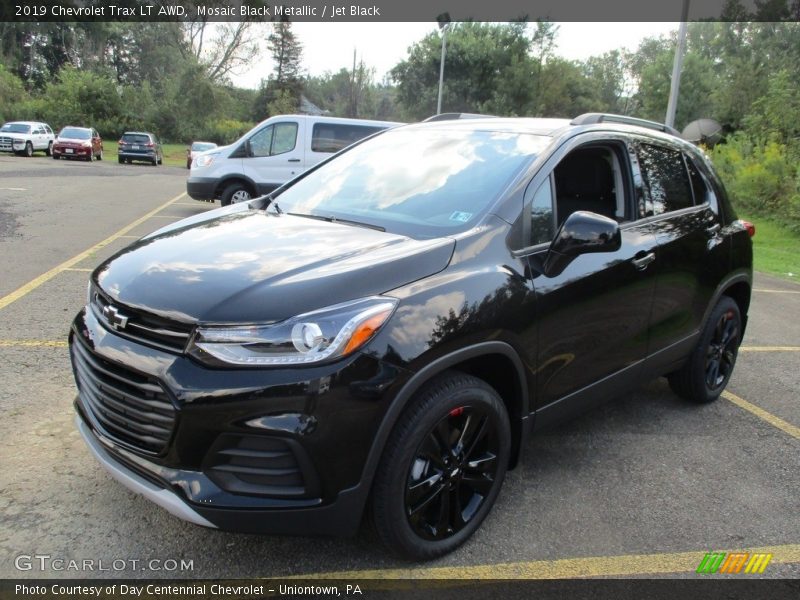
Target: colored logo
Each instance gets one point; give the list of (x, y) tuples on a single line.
[(733, 562)]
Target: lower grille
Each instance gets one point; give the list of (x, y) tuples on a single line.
[(267, 466), (126, 406)]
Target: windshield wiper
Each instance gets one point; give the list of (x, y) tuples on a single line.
[(338, 220), (264, 202)]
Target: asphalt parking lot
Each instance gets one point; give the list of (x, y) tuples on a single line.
[(643, 486)]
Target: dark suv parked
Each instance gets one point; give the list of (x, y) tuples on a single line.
[(137, 145), (389, 326)]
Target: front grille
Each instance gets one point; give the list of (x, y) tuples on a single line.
[(263, 465), (142, 326), (126, 406)]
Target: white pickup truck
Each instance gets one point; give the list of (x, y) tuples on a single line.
[(26, 137)]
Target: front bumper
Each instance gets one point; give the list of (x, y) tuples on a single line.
[(202, 188), (321, 422)]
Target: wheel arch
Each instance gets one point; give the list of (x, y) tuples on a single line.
[(495, 362), (738, 286), (236, 178)]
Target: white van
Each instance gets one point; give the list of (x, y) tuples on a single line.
[(272, 153)]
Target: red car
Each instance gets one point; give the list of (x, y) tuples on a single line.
[(78, 142)]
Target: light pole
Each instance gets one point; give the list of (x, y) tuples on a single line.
[(444, 21), (675, 84)]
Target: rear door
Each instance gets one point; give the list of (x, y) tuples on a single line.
[(276, 154), (691, 256)]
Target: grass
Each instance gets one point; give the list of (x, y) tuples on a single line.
[(776, 249), (174, 154)]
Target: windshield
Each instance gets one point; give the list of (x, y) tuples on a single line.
[(76, 133), (16, 128), (200, 146), (421, 183)]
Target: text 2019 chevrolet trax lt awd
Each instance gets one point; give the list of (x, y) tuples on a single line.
[(389, 326)]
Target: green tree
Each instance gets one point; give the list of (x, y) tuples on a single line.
[(482, 58)]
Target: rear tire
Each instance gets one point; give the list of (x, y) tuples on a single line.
[(120, 160), (442, 467), (709, 367), (49, 151), (234, 193)]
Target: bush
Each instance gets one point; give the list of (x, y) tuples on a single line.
[(223, 131), (762, 178), (12, 95)]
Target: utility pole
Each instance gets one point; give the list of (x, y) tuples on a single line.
[(675, 85)]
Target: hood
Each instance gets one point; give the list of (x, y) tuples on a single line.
[(242, 265), (14, 135)]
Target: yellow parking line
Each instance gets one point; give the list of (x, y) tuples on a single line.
[(195, 204), (762, 414), (777, 291), (79, 269), (594, 566), (33, 343), (45, 277), (769, 348)]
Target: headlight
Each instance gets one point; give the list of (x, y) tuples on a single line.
[(310, 338), (86, 144), (204, 160), (19, 142)]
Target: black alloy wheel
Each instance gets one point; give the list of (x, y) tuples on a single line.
[(442, 468), (721, 352), (452, 473), (710, 366)]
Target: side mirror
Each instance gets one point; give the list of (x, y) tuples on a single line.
[(582, 233)]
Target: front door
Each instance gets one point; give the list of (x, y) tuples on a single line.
[(592, 318), (276, 154)]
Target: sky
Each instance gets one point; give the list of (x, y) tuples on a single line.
[(329, 47)]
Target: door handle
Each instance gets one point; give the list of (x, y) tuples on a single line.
[(642, 262), (294, 160)]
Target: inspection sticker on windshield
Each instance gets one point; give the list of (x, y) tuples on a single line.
[(461, 217)]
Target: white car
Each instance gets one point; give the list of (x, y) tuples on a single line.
[(26, 137)]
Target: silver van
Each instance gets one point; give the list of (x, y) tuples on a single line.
[(272, 153)]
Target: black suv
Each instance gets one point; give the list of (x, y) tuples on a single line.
[(139, 145), (389, 326)]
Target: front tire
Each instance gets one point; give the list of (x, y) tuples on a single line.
[(100, 156), (234, 193), (442, 468), (709, 367), (28, 152)]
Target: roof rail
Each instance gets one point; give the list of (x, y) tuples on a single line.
[(454, 116), (593, 118)]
